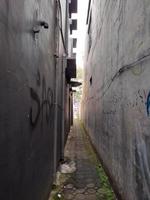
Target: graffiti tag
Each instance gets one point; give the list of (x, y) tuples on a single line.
[(44, 104)]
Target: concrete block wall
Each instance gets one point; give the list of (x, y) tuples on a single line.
[(116, 101), (28, 75)]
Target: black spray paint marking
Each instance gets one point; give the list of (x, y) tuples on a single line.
[(44, 106)]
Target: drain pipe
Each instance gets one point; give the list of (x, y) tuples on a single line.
[(55, 122), (63, 109), (56, 57)]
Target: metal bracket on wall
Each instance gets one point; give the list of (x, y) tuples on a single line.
[(38, 26)]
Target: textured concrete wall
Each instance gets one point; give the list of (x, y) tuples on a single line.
[(116, 103), (27, 92)]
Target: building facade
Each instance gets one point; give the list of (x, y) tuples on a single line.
[(35, 97), (115, 106)]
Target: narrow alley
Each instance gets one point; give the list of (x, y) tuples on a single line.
[(61, 59), (87, 179)]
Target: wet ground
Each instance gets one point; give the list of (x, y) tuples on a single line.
[(81, 177)]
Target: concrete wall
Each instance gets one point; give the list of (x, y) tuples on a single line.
[(116, 101), (28, 75)]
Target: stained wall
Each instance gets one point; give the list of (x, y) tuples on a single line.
[(116, 99), (28, 66)]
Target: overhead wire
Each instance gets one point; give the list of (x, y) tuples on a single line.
[(121, 70)]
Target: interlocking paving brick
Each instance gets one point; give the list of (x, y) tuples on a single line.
[(85, 178), (91, 191), (80, 191), (90, 185), (79, 197), (69, 186), (91, 197), (68, 196), (84, 183)]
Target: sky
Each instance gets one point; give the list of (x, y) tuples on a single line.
[(82, 14)]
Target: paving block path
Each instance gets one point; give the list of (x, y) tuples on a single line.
[(84, 183)]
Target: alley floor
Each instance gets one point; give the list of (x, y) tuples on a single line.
[(81, 176)]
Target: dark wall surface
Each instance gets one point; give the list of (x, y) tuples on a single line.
[(27, 77)]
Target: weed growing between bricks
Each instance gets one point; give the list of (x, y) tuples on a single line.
[(105, 192)]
